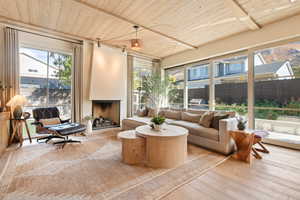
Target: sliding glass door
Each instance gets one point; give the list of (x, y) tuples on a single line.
[(46, 80), (277, 90)]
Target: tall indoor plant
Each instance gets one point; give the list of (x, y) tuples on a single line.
[(156, 89)]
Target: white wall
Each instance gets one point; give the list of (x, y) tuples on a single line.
[(285, 29), (45, 43), (109, 76), (87, 67)]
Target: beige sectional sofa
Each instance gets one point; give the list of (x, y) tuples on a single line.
[(210, 138)]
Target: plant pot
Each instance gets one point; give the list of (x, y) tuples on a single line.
[(89, 127), (157, 127)]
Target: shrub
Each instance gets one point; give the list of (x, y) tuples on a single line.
[(294, 105)]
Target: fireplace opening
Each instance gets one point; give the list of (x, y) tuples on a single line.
[(106, 114)]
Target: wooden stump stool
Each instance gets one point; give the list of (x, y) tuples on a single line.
[(133, 147)]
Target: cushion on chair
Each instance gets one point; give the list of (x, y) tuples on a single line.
[(45, 113), (50, 121)]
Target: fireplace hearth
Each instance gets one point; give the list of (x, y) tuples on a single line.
[(106, 114)]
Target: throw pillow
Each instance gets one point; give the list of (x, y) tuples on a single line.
[(161, 113), (172, 114), (190, 117), (216, 119), (50, 121), (206, 119), (142, 112), (151, 112)]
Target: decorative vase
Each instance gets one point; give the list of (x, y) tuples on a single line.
[(157, 127), (18, 112), (241, 126), (89, 127)]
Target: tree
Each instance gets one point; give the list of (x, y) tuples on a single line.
[(155, 89), (64, 64)]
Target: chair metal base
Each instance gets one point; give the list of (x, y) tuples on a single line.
[(64, 142)]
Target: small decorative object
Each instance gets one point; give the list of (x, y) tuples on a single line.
[(157, 122), (89, 126), (16, 103), (241, 123)]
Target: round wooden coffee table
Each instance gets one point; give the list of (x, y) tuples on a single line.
[(166, 148)]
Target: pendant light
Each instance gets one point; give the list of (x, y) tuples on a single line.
[(136, 43)]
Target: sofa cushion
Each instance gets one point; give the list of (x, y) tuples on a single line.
[(161, 113), (151, 112), (198, 130), (206, 119), (172, 114), (190, 117), (142, 112), (200, 112), (216, 119), (137, 121)]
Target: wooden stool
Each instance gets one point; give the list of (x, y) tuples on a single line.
[(245, 142), (133, 147)]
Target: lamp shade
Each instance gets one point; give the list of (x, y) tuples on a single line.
[(17, 100), (136, 44)]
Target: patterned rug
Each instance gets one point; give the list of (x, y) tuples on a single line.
[(92, 170)]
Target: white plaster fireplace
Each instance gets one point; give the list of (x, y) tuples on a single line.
[(108, 88)]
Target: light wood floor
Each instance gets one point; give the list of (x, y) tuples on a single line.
[(276, 176)]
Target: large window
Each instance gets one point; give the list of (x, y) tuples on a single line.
[(198, 86), (175, 96), (141, 68), (277, 86), (230, 84), (45, 80)]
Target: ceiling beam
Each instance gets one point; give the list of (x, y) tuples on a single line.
[(28, 27), (242, 15), (134, 23)]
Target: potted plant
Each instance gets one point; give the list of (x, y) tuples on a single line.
[(241, 123), (89, 126), (157, 122)]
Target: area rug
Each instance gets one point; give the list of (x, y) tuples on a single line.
[(93, 170)]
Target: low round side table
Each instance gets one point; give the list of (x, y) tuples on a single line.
[(133, 147), (166, 148)]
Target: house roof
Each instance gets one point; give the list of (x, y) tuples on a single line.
[(268, 68), (263, 69)]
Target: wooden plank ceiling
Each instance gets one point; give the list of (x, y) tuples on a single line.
[(167, 27)]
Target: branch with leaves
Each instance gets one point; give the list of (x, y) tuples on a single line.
[(156, 90)]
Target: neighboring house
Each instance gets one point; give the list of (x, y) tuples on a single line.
[(236, 70), (34, 72)]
